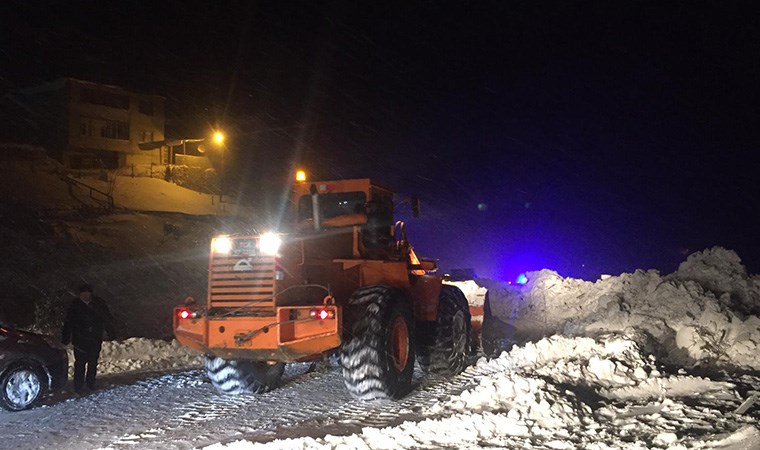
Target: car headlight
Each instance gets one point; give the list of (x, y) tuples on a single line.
[(269, 244), (222, 245)]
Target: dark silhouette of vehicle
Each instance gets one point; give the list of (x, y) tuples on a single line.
[(31, 365)]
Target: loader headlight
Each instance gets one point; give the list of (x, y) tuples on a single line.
[(269, 244), (222, 245)]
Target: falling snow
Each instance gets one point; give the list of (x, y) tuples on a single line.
[(630, 361)]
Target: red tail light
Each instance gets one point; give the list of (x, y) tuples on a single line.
[(322, 314), (184, 314)]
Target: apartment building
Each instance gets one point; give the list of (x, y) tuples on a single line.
[(85, 125)]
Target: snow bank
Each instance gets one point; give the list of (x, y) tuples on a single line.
[(700, 313), (140, 354)]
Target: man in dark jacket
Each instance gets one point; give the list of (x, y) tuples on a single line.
[(86, 320)]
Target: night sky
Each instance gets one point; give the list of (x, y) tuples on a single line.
[(587, 137)]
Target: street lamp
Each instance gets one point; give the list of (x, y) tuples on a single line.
[(219, 140)]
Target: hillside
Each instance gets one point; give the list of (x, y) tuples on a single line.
[(144, 255)]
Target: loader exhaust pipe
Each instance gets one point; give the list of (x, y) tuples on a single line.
[(315, 207)]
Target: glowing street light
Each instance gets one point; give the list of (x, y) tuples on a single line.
[(219, 141), (301, 175)]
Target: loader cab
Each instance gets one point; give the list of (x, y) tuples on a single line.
[(360, 206), (332, 205), (342, 203)]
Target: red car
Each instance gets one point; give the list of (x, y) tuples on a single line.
[(31, 365)]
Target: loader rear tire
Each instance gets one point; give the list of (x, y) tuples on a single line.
[(452, 343), (378, 354), (239, 376)]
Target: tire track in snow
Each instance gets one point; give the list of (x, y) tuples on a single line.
[(353, 415), (314, 402), (194, 417)]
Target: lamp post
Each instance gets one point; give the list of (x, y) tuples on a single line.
[(219, 140)]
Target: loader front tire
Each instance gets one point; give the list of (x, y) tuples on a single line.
[(239, 376), (377, 354), (452, 343)]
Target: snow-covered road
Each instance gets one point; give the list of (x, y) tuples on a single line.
[(182, 410)]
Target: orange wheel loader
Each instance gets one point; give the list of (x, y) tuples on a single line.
[(342, 279)]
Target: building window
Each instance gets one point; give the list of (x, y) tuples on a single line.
[(104, 98), (146, 107), (146, 136), (113, 129), (109, 129)]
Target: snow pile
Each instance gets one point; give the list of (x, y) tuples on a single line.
[(721, 272), (596, 382), (140, 354), (697, 314), (475, 294), (562, 393), (537, 386)]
